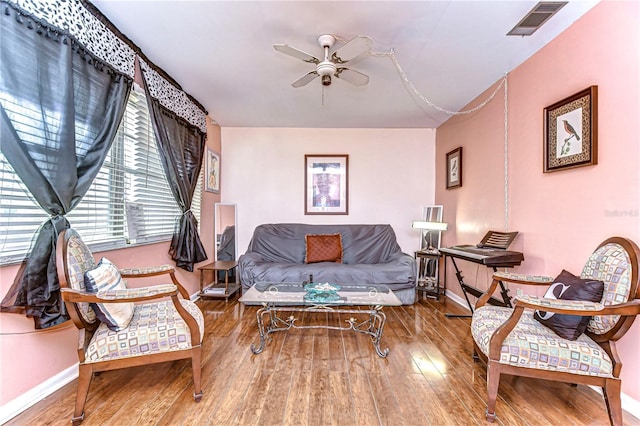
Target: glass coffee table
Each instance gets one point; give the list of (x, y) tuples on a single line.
[(278, 298)]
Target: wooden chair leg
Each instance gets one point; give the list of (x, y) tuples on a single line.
[(196, 354), (611, 393), (85, 375), (493, 381)]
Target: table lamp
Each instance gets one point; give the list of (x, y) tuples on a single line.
[(426, 227)]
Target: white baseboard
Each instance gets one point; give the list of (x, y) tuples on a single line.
[(458, 299), (37, 394), (629, 404)]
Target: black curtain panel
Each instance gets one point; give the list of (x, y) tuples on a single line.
[(60, 108), (181, 145)]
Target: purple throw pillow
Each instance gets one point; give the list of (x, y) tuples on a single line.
[(567, 286)]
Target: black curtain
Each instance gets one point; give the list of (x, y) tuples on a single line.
[(181, 147), (60, 109)]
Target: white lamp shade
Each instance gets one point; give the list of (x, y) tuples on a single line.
[(432, 226)]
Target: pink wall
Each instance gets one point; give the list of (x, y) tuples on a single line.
[(23, 349), (391, 176), (561, 216)]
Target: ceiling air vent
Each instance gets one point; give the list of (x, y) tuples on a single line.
[(536, 17)]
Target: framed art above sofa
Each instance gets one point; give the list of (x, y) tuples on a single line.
[(326, 185)]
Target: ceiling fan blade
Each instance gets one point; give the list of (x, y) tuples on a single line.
[(354, 47), (350, 76), (305, 79), (296, 53)]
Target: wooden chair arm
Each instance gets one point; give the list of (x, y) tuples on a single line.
[(152, 271), (513, 278), (560, 306), (194, 330), (120, 296), (146, 271), (501, 333), (578, 307), (523, 278)]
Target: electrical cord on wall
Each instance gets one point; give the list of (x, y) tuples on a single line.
[(503, 82)]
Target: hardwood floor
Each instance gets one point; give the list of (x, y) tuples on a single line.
[(318, 377)]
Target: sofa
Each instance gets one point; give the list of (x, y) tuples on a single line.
[(370, 255)]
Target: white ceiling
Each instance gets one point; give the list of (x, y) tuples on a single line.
[(221, 52)]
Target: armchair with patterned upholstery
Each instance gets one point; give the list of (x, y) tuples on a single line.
[(121, 327), (512, 342)]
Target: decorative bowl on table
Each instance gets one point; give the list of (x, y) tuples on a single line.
[(321, 293), (321, 288)]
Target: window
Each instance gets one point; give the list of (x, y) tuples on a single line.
[(129, 202)]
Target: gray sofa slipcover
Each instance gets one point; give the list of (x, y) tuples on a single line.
[(371, 256)]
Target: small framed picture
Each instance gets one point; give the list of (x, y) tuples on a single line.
[(212, 172), (326, 184), (571, 131), (454, 168)]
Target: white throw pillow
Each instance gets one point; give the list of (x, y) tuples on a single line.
[(103, 278)]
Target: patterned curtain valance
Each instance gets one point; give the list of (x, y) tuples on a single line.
[(73, 18), (83, 21), (173, 98)]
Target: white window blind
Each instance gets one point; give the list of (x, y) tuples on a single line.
[(20, 216), (129, 202)]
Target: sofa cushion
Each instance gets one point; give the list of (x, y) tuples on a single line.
[(323, 248), (567, 286), (396, 275), (105, 277)]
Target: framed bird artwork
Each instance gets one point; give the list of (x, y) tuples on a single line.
[(571, 131)]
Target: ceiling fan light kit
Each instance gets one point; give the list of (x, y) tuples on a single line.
[(331, 65)]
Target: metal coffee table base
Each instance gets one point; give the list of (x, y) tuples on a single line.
[(371, 326)]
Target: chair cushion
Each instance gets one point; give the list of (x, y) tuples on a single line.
[(106, 277), (79, 260), (567, 286), (612, 265), (154, 327), (532, 345), (323, 248)]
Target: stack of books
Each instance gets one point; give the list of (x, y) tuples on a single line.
[(214, 290)]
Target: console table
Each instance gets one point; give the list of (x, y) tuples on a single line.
[(215, 289)]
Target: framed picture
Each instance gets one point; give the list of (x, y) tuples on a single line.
[(454, 168), (212, 172), (326, 185), (571, 131)]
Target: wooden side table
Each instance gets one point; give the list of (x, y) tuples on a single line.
[(429, 276), (215, 289)]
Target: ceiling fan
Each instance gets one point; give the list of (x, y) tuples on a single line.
[(332, 64)]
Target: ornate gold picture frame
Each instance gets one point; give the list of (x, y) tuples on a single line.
[(571, 131)]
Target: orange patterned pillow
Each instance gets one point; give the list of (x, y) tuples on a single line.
[(323, 248)]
